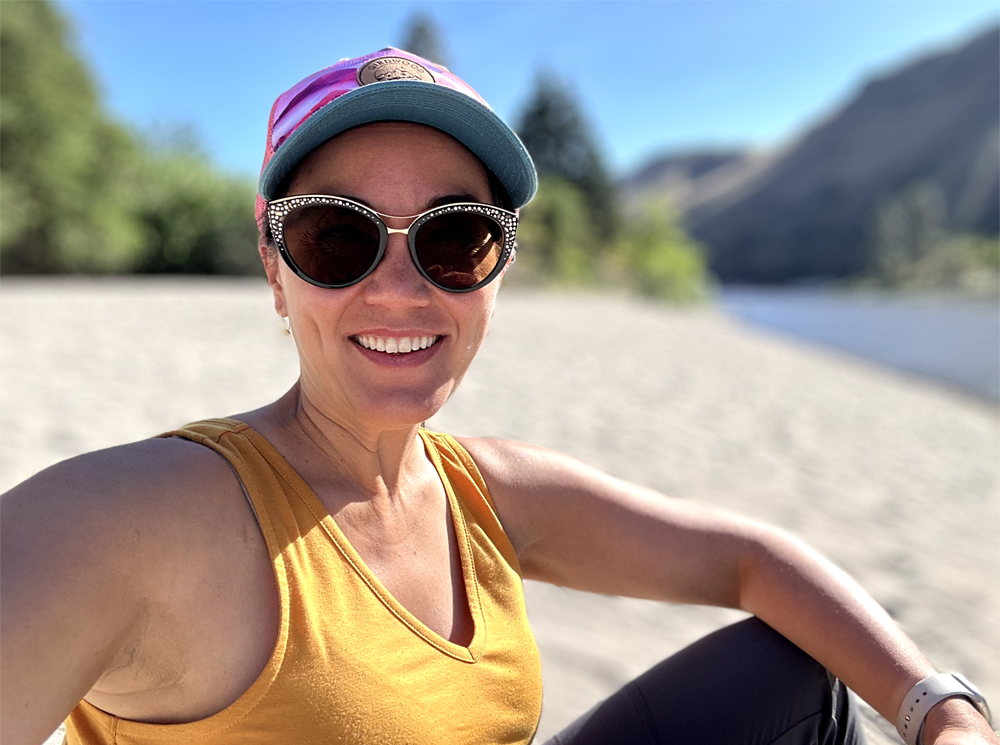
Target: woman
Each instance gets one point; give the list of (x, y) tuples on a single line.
[(340, 574)]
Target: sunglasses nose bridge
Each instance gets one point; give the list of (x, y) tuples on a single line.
[(396, 282)]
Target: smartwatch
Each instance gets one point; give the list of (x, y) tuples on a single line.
[(927, 693)]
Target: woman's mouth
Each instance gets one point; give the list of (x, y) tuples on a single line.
[(394, 345)]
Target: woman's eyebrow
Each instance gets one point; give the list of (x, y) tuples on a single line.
[(353, 198), (435, 202), (451, 199)]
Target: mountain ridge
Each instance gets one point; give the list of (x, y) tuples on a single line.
[(806, 209)]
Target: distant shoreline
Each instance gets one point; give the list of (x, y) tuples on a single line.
[(953, 340)]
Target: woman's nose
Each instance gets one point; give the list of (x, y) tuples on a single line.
[(396, 282)]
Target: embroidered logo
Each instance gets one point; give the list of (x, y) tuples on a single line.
[(393, 68)]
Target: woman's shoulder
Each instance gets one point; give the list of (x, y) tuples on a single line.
[(126, 477), (124, 502), (516, 466), (531, 486)]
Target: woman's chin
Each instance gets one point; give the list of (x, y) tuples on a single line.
[(392, 410)]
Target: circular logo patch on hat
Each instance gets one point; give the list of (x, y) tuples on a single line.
[(393, 68)]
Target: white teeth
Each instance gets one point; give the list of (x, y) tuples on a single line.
[(396, 346)]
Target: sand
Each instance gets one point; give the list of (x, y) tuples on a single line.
[(896, 480)]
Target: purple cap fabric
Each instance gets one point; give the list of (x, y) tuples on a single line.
[(389, 85)]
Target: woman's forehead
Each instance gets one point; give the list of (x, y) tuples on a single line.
[(396, 153)]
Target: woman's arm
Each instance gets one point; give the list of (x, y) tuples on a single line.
[(69, 609), (103, 558), (576, 527)]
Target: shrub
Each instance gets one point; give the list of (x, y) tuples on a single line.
[(660, 260), (194, 220), (652, 255)]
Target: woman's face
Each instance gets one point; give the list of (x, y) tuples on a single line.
[(396, 169)]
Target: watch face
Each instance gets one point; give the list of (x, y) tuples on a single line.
[(976, 696)]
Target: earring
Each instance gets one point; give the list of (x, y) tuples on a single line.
[(288, 325)]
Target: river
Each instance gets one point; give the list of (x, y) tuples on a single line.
[(954, 341)]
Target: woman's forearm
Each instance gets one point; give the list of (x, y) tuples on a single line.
[(823, 611)]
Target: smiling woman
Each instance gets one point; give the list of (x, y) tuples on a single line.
[(398, 168), (325, 570)]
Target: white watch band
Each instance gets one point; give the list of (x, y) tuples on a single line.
[(929, 692)]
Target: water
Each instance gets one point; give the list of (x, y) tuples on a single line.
[(953, 341)]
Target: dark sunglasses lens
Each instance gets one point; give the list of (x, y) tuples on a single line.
[(332, 245), (458, 250)]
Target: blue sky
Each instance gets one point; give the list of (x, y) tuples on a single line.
[(651, 76)]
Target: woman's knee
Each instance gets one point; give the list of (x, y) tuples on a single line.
[(746, 683)]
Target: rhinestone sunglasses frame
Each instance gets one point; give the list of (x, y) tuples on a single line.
[(279, 209)]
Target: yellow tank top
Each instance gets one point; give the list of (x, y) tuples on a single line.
[(352, 665)]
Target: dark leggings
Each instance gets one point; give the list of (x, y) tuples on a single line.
[(742, 685)]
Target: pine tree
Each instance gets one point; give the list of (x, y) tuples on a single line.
[(554, 130), (423, 39)]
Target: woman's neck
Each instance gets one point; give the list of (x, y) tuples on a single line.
[(333, 453)]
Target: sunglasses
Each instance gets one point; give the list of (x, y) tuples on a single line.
[(335, 242)]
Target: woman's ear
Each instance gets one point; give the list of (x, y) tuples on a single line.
[(510, 260), (272, 267)]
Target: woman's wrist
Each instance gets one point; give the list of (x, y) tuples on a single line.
[(954, 720)]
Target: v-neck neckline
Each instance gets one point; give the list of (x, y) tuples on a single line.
[(463, 541)]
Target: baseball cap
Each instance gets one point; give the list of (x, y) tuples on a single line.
[(389, 85)]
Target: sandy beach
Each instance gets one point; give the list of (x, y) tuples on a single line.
[(895, 479)]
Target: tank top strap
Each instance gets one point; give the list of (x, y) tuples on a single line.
[(458, 468), (265, 476)]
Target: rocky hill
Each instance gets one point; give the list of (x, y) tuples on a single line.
[(679, 176), (807, 209)]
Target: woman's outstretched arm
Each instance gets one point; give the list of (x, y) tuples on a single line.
[(576, 527)]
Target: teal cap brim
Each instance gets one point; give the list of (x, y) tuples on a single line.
[(454, 113)]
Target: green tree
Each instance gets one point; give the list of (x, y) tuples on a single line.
[(555, 132), (63, 165), (422, 38), (555, 237), (82, 194), (905, 230), (651, 256), (911, 248), (194, 220)]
